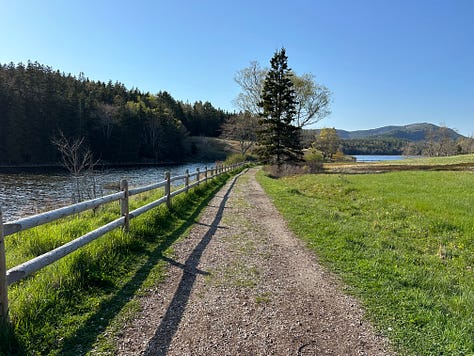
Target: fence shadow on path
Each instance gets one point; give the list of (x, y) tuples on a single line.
[(161, 341), (110, 308)]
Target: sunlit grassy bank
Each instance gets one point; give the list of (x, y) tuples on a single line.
[(403, 242), (66, 307)]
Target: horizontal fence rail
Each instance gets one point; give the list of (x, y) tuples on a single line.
[(7, 277), (41, 219)]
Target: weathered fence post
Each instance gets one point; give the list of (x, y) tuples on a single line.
[(168, 189), (124, 207), (205, 174), (3, 275), (186, 180), (197, 175)]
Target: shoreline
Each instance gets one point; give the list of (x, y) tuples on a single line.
[(12, 169)]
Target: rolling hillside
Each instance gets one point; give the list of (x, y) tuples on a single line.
[(387, 139), (413, 132)]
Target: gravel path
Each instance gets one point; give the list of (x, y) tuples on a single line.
[(243, 284)]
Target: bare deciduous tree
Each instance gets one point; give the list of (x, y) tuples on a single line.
[(439, 142), (77, 159), (465, 144), (250, 80), (107, 117), (312, 99), (241, 127)]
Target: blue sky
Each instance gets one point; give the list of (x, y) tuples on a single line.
[(387, 62)]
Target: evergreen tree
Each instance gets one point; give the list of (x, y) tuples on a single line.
[(119, 125), (279, 140)]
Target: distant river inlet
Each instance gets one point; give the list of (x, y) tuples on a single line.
[(23, 194), (378, 158)]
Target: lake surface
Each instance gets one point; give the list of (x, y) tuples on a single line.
[(23, 194), (378, 158)]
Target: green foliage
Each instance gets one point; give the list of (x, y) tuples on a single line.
[(327, 142), (402, 242), (278, 139), (313, 154), (374, 146), (63, 308), (119, 125), (411, 140), (413, 132), (341, 157), (235, 158), (208, 149), (202, 119), (313, 161)]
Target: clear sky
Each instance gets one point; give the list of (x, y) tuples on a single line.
[(387, 62)]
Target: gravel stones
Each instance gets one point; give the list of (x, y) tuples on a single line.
[(243, 284)]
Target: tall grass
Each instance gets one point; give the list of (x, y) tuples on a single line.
[(64, 308), (402, 242)]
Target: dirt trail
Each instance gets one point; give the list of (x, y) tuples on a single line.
[(243, 284)]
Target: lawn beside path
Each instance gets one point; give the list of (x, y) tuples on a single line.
[(242, 283)]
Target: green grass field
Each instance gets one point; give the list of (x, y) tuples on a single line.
[(403, 243), (65, 308)]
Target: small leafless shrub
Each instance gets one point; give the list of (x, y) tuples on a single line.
[(80, 163)]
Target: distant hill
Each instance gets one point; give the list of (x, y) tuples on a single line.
[(384, 140), (413, 132)]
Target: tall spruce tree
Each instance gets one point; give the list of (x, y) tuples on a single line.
[(279, 140)]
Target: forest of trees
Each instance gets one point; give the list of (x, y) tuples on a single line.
[(118, 125), (436, 143), (374, 146), (430, 141)]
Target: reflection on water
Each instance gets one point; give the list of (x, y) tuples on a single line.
[(23, 194)]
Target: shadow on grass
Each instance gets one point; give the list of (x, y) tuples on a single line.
[(10, 344), (84, 339), (161, 341)]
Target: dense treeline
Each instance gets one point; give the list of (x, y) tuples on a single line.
[(117, 124), (374, 146), (436, 143)]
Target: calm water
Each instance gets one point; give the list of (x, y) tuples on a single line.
[(23, 194), (378, 158)]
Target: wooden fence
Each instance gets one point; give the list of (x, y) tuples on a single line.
[(7, 277)]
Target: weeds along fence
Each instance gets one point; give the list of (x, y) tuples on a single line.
[(8, 277)]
